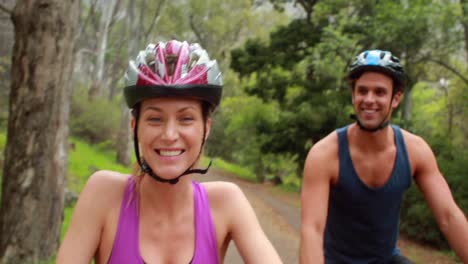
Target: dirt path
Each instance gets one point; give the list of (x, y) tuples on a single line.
[(283, 235), (279, 216)]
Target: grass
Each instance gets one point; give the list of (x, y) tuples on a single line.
[(2, 140), (290, 187), (242, 172), (86, 159)]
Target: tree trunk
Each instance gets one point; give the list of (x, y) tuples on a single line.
[(36, 150), (124, 144), (97, 87), (407, 107)]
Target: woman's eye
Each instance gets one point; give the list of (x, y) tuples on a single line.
[(154, 119), (187, 119)]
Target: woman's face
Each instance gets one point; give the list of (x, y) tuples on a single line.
[(170, 133)]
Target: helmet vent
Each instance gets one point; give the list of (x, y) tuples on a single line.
[(171, 61)]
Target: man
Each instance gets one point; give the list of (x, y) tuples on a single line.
[(355, 177)]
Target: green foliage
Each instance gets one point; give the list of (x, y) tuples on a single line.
[(2, 140), (247, 117), (95, 121), (84, 159), (417, 221), (281, 169), (254, 56), (67, 214), (241, 172), (428, 110), (288, 45)]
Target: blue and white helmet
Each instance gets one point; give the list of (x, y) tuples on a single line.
[(378, 61)]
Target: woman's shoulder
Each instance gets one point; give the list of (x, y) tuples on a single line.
[(222, 190), (105, 185), (224, 196), (105, 179)]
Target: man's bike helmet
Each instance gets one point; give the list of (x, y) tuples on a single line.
[(378, 61), (171, 69)]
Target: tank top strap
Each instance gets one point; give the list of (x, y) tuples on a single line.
[(402, 164), (126, 244), (343, 141), (206, 246)]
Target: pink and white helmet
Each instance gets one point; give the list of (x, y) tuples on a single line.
[(173, 69)]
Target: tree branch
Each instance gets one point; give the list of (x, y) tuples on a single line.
[(154, 20), (6, 9), (308, 7), (450, 68), (87, 20), (114, 13), (197, 33)]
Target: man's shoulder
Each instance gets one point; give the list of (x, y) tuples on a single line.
[(324, 152), (413, 141), (327, 145), (419, 152)]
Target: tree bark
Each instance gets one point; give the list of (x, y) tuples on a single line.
[(124, 144), (124, 151), (97, 87), (36, 149), (407, 105)]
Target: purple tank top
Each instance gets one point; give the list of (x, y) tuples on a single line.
[(126, 244)]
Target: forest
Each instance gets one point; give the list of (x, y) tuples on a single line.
[(284, 64)]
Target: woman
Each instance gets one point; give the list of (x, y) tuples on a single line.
[(161, 215)]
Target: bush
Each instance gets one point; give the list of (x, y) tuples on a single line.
[(95, 121), (281, 168), (417, 221)]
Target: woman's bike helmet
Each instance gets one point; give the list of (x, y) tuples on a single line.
[(171, 69)]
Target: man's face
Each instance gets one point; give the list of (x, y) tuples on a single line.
[(372, 98)]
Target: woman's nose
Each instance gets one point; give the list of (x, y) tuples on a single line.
[(170, 131)]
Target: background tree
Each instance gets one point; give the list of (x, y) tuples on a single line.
[(36, 152)]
